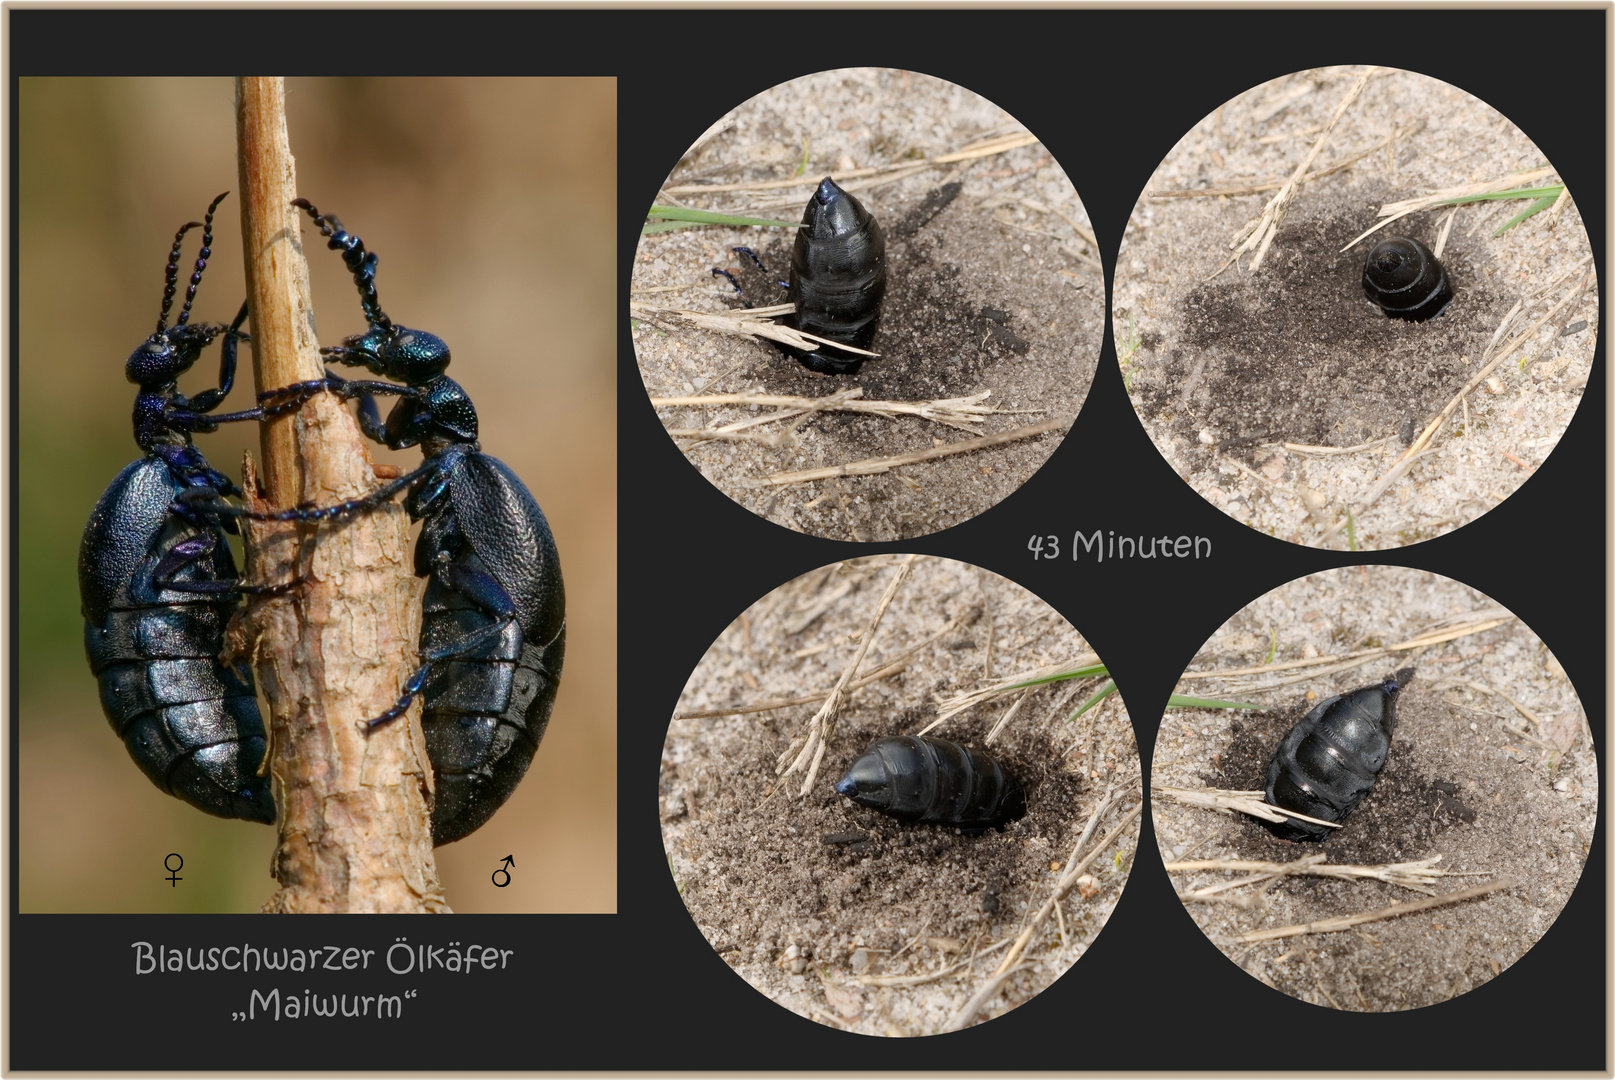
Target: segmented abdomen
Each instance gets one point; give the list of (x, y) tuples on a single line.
[(919, 778), (1329, 761)]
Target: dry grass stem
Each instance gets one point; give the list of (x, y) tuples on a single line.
[(1417, 875), (874, 466), (892, 667), (1473, 622), (1258, 235), (951, 707), (747, 321), (1423, 441), (823, 721), (1346, 922), (1394, 211), (1009, 714), (1082, 231), (988, 148), (1519, 707), (920, 980), (962, 412), (1222, 800), (1075, 868), (1271, 185), (1303, 448)]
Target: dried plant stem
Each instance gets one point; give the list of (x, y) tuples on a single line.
[(1406, 460), (920, 980), (1271, 185), (874, 466), (961, 412), (354, 831), (1474, 622), (1346, 922), (1418, 875), (986, 148), (1075, 868), (892, 667), (1246, 802), (1397, 210), (1258, 235), (823, 722), (750, 322), (953, 706)]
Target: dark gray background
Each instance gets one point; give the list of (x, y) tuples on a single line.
[(1108, 93)]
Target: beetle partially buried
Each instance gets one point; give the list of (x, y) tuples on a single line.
[(933, 781), (1329, 761), (1404, 279), (838, 278)]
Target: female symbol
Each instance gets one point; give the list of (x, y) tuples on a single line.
[(173, 881)]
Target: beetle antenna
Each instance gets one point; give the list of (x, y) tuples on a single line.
[(361, 264), (172, 277), (201, 264)]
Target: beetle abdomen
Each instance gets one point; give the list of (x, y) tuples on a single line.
[(918, 778), (487, 706), (189, 721), (838, 278), (1404, 279), (1329, 760)]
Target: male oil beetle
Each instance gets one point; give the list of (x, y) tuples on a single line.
[(493, 633), (158, 583), (1329, 761)]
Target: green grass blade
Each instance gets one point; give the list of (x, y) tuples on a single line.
[(1535, 208), (709, 217), (1089, 672), (1100, 695), (1550, 192), (651, 228), (1183, 701)]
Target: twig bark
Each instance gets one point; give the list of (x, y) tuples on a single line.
[(354, 828)]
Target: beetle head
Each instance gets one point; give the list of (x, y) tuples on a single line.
[(168, 354), (396, 352)]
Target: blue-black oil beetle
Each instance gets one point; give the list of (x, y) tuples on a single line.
[(493, 633), (158, 583)]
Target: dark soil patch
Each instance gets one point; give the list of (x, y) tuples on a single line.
[(1298, 354), (1485, 810), (764, 871)]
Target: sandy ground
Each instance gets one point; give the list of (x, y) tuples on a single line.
[(1251, 384), (804, 920), (996, 292), (1469, 778)]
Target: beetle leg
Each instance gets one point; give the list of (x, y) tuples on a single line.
[(186, 552), (483, 591), (208, 400)]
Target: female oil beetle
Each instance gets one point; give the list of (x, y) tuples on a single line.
[(837, 282), (920, 778), (1329, 761), (158, 583), (493, 633)]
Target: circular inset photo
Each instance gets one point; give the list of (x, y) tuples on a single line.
[(1355, 308), (899, 795), (1408, 812), (867, 304)]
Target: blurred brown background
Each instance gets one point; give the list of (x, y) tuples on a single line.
[(491, 204)]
